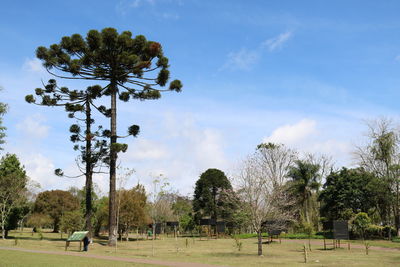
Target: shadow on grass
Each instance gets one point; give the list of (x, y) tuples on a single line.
[(35, 238)]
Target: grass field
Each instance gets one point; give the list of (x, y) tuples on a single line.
[(218, 252), (18, 258)]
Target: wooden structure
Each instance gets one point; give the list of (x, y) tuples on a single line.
[(76, 237)]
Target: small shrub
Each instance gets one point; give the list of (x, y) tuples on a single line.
[(238, 243)]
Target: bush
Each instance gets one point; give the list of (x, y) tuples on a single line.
[(39, 221), (72, 221)]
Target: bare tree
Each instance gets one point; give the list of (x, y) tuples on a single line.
[(276, 160), (263, 198)]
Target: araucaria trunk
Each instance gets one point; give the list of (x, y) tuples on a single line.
[(112, 230), (89, 168)]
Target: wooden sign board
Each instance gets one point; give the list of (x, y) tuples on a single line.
[(340, 230), (173, 224), (77, 236), (274, 232), (220, 227), (207, 222)]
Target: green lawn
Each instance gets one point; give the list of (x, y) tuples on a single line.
[(18, 258), (219, 252)]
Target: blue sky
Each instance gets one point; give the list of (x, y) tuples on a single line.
[(303, 73)]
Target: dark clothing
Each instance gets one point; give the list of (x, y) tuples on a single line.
[(86, 243)]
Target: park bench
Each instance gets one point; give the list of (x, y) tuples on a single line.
[(76, 237)]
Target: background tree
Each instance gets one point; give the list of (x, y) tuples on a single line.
[(304, 186), (39, 221), (3, 110), (72, 221), (208, 192), (132, 210), (262, 199), (13, 182), (91, 144), (125, 64), (347, 192), (100, 215), (381, 156), (182, 208), (277, 159), (55, 203)]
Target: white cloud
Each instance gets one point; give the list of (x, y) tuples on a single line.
[(187, 150), (32, 126), (241, 60), (397, 58), (306, 137), (40, 169), (33, 65), (145, 149), (278, 41), (290, 134)]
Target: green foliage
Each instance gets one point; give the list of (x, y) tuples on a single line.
[(304, 185), (13, 190), (55, 203), (100, 218), (182, 208), (346, 192), (72, 221), (132, 208), (208, 194), (361, 222), (109, 55), (39, 221)]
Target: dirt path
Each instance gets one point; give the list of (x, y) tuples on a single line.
[(113, 258), (343, 244)]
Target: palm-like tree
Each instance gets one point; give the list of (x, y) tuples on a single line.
[(304, 184)]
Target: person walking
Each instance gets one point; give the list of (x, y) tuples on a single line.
[(86, 243)]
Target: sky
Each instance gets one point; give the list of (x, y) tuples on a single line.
[(307, 74)]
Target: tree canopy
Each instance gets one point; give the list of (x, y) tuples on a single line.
[(55, 203), (207, 193), (347, 192), (13, 181)]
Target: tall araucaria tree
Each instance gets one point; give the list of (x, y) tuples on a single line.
[(126, 65), (94, 150)]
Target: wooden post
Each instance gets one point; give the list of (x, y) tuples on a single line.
[(305, 253), (348, 244), (334, 243), (80, 245), (324, 243)]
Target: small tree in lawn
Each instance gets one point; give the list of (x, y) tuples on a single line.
[(361, 223), (262, 198), (157, 207), (94, 150), (13, 182), (125, 64)]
